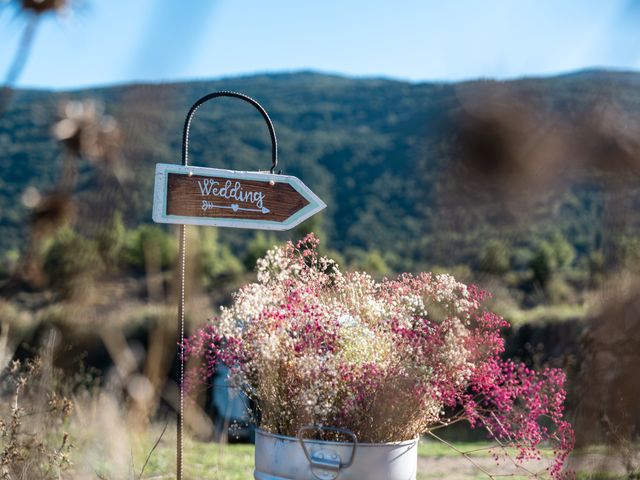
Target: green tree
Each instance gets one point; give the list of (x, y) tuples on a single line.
[(257, 248), (111, 239), (311, 225), (563, 251), (596, 268), (216, 260), (543, 263), (550, 257), (374, 263), (149, 245), (629, 253), (8, 261), (71, 262), (494, 257)]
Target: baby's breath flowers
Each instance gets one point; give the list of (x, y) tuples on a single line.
[(388, 360)]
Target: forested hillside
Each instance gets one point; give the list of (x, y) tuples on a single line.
[(425, 174)]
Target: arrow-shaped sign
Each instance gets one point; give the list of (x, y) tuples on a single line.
[(228, 198)]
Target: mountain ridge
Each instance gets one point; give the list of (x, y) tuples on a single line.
[(314, 74)]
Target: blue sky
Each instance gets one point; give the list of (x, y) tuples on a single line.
[(114, 41)]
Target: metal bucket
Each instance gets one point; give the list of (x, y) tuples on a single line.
[(287, 458)]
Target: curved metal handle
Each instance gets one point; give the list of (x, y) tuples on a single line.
[(206, 98), (327, 464)]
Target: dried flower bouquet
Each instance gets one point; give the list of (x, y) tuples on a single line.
[(388, 360)]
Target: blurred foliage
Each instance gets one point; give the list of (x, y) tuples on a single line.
[(543, 263), (551, 256), (216, 260), (494, 257), (560, 292), (72, 262), (111, 239), (32, 419), (372, 262), (596, 268), (257, 247), (629, 251), (563, 252), (149, 245), (8, 261), (313, 225), (462, 273)]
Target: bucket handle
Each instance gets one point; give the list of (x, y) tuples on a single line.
[(327, 464)]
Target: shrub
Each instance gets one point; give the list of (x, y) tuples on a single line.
[(33, 444), (629, 252), (563, 252), (596, 265), (72, 262), (216, 260), (149, 245), (8, 262), (494, 258), (374, 263), (559, 291), (257, 248), (111, 240), (543, 263)]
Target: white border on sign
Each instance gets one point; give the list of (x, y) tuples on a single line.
[(160, 198)]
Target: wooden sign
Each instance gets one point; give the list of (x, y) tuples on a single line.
[(228, 198)]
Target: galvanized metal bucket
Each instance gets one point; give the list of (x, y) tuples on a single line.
[(278, 457)]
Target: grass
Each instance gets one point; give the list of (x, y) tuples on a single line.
[(601, 476), (435, 449), (202, 460), (206, 460), (209, 461), (517, 316)]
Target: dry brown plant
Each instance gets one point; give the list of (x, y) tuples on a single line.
[(34, 444)]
